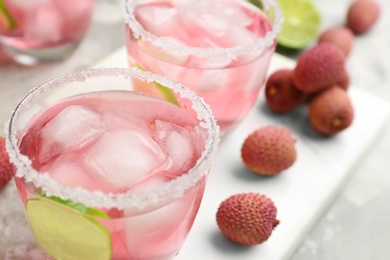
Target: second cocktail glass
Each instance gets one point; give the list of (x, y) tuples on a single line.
[(221, 49)]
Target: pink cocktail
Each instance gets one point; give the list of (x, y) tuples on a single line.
[(34, 31), (105, 172), (219, 49)]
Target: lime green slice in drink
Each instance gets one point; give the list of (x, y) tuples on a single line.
[(65, 233), (301, 25), (166, 92), (77, 206), (6, 20), (257, 3)]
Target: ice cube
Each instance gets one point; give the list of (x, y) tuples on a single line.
[(233, 14), (213, 61), (176, 142), (205, 42), (123, 119), (166, 54), (238, 36), (75, 8), (153, 182), (125, 157), (44, 25), (199, 18), (213, 80), (212, 24), (73, 128), (159, 20), (67, 171), (28, 6)]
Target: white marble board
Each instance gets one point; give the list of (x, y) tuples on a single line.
[(302, 193)]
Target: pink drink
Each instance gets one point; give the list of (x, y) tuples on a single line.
[(142, 155), (46, 24), (184, 32)]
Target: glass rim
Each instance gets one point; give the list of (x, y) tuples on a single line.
[(139, 31), (141, 199)]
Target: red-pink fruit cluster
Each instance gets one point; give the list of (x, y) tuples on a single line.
[(321, 74)]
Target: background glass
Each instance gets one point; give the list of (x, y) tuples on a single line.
[(219, 49), (36, 31)]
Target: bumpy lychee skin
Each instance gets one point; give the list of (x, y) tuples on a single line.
[(331, 111), (269, 150), (281, 93), (247, 218), (6, 172), (340, 36), (319, 68), (362, 15)]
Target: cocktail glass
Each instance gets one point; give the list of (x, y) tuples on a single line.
[(37, 31), (105, 172), (221, 49)]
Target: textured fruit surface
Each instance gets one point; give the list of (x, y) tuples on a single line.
[(301, 23), (340, 36), (281, 93), (65, 233), (269, 150), (247, 218), (6, 171), (331, 111), (362, 15), (319, 68)]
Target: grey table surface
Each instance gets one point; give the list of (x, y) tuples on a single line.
[(357, 224)]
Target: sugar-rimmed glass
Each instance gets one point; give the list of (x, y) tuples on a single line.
[(153, 218), (219, 49)]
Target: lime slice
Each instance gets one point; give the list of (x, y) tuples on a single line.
[(65, 233), (301, 25), (77, 206), (257, 3), (166, 92), (6, 20)]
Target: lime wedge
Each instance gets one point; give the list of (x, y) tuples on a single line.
[(65, 233), (6, 20), (301, 25), (257, 3), (166, 92), (76, 205)]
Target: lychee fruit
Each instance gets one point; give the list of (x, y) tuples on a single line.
[(6, 170), (362, 15), (344, 81), (269, 150), (340, 36), (281, 93), (331, 111), (247, 218), (319, 68)]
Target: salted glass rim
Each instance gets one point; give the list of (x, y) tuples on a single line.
[(139, 200), (139, 31)]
